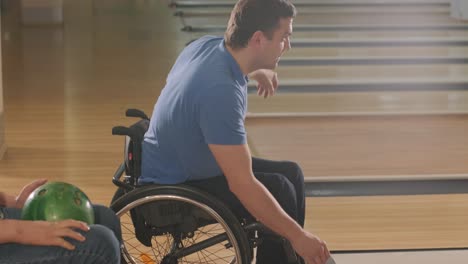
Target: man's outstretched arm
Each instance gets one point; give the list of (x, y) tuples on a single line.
[(236, 164)]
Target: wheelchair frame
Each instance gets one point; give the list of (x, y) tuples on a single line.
[(171, 214)]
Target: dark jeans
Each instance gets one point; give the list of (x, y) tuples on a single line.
[(284, 180)]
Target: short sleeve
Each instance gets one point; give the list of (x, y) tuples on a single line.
[(222, 112)]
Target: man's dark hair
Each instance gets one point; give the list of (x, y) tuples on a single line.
[(249, 16)]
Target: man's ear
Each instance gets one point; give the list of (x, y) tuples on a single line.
[(257, 39)]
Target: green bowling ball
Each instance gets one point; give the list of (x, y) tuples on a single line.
[(56, 201)]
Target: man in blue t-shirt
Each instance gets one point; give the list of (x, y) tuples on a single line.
[(197, 134)]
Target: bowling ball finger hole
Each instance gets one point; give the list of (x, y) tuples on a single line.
[(78, 201), (42, 192)]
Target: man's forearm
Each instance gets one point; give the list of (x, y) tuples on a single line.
[(9, 230), (236, 163), (253, 74), (264, 207)]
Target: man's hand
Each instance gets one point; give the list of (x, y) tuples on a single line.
[(267, 82), (311, 248)]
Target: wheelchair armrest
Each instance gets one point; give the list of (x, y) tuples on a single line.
[(136, 113), (121, 130)]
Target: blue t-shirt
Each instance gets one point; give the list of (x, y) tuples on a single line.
[(204, 102)]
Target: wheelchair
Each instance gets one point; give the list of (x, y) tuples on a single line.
[(172, 224)]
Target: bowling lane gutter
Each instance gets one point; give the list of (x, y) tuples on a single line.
[(388, 187)]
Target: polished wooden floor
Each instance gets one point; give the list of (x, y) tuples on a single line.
[(66, 87), (390, 222), (370, 52), (353, 146), (359, 103)]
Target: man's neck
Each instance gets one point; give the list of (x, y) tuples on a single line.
[(243, 59)]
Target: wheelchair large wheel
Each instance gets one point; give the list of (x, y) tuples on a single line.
[(217, 238)]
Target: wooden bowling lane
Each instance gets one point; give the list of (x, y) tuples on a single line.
[(352, 146), (376, 61), (343, 52), (346, 18), (372, 42), (359, 103), (379, 42), (363, 34), (435, 9), (416, 28), (350, 34), (372, 74), (389, 222), (376, 73), (304, 4)]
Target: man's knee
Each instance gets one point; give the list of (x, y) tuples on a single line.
[(282, 189), (103, 213), (288, 192), (294, 166), (293, 171), (103, 241), (106, 217)]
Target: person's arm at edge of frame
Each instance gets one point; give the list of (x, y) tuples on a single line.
[(41, 233), (236, 163), (10, 228)]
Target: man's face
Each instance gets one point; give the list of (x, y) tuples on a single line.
[(278, 44)]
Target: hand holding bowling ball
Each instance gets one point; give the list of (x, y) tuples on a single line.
[(55, 201), (25, 192), (44, 233)]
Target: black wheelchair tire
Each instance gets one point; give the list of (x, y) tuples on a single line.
[(122, 201)]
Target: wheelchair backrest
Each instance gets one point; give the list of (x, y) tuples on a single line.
[(133, 147), (134, 136)]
